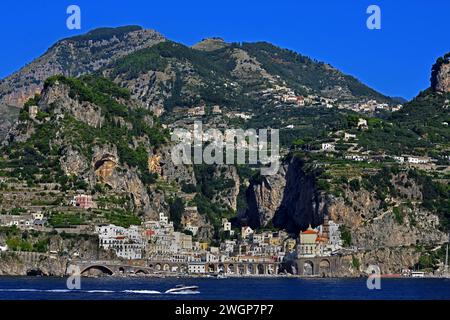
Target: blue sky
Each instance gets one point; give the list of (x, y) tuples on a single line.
[(395, 60)]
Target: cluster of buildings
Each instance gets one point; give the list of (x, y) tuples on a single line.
[(412, 159), (158, 241), (369, 106), (320, 242), (354, 153), (35, 220)]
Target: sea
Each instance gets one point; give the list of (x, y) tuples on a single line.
[(113, 288)]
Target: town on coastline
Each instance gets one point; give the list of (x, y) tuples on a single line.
[(154, 248)]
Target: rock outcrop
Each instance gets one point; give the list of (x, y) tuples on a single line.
[(57, 97), (289, 199), (440, 75), (210, 44), (390, 260)]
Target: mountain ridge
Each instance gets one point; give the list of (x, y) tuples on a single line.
[(98, 48)]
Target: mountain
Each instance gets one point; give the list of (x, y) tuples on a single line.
[(170, 75), (164, 74), (72, 57)]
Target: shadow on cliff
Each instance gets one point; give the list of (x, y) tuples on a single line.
[(301, 205)]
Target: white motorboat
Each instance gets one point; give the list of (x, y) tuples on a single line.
[(183, 289)]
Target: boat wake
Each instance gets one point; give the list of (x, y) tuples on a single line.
[(190, 292), (142, 291), (149, 292)]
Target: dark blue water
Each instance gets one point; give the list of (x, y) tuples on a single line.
[(223, 289)]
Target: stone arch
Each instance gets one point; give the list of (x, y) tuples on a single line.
[(97, 269), (166, 267), (260, 269), (324, 267), (140, 272), (231, 268), (241, 269), (34, 272), (121, 270), (211, 268), (183, 268), (271, 269), (158, 267), (221, 268), (308, 268), (250, 269)]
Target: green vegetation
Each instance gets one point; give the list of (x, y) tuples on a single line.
[(122, 218), (65, 219), (398, 215), (429, 259), (38, 155), (346, 236), (416, 129), (176, 210), (299, 71), (435, 196), (18, 240), (105, 33), (355, 263), (380, 183)]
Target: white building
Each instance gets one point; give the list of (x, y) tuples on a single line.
[(348, 136), (356, 157), (163, 218), (191, 228), (246, 232), (328, 146), (362, 123), (418, 160), (226, 225), (334, 235), (399, 159), (196, 267), (126, 243), (38, 216)]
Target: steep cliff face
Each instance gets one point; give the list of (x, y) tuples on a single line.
[(13, 264), (58, 97), (390, 260), (34, 263), (403, 223), (9, 116), (440, 75), (228, 197), (289, 199)]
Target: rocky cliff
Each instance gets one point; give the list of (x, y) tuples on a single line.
[(292, 200), (289, 199), (440, 76)]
